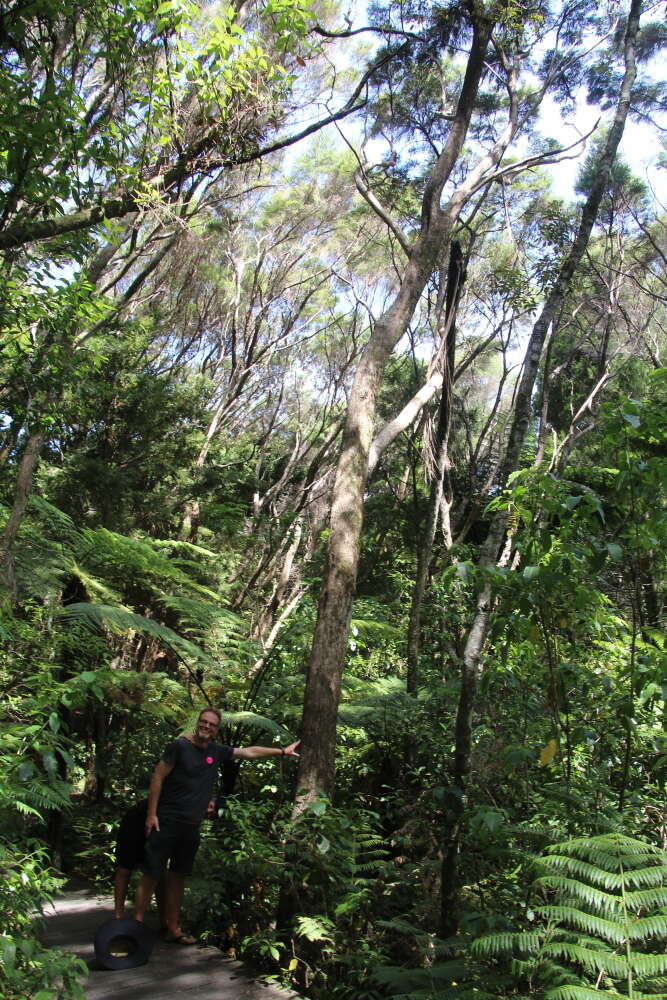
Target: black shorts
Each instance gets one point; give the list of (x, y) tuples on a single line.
[(131, 837), (174, 842)]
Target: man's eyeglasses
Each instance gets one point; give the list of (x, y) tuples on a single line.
[(209, 725)]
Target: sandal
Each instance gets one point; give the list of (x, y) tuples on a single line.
[(183, 939)]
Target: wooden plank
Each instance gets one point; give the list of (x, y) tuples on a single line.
[(173, 971)]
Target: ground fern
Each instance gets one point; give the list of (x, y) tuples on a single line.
[(608, 893)]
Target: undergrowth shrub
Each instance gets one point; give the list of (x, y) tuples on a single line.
[(27, 968), (324, 875)]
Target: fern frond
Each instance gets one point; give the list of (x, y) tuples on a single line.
[(54, 519), (369, 867), (652, 876), (531, 832), (252, 721), (355, 716), (608, 930), (375, 628), (122, 621), (25, 809), (656, 875), (177, 545), (594, 961), (602, 901), (648, 927), (611, 851), (599, 883), (644, 899), (492, 945), (199, 616), (107, 549), (572, 992), (648, 965), (380, 687), (92, 585)]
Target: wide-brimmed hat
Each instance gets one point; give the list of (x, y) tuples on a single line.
[(123, 944)]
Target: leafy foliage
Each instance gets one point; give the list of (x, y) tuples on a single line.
[(594, 932)]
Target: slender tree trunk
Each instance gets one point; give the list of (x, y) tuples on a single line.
[(21, 494), (322, 696), (491, 547), (543, 429), (455, 277)]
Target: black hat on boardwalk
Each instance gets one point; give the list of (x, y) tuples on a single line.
[(123, 944)]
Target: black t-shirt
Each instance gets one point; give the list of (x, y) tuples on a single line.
[(188, 789)]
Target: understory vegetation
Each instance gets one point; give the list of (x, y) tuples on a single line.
[(322, 404)]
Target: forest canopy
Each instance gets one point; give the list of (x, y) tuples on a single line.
[(333, 396)]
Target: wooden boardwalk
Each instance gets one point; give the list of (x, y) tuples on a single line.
[(172, 971)]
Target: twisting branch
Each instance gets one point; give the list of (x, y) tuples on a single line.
[(360, 180), (167, 183)]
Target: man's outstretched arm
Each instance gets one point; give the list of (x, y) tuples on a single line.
[(257, 753)]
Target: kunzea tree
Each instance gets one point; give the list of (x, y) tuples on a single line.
[(117, 119), (491, 546), (478, 99)]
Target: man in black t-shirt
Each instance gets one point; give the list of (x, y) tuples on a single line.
[(129, 854), (181, 791)]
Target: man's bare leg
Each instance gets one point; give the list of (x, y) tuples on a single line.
[(175, 885), (120, 884), (143, 896)]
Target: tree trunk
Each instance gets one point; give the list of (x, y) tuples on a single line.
[(322, 696), (21, 494), (491, 547), (455, 278)]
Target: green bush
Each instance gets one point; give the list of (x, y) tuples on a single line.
[(27, 968)]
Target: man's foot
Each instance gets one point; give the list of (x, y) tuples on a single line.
[(180, 938)]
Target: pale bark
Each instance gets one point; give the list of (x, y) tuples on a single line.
[(491, 547), (403, 420), (387, 434), (322, 696), (279, 623)]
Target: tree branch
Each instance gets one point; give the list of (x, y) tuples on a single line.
[(168, 182)]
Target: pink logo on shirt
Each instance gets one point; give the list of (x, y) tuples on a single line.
[(209, 760)]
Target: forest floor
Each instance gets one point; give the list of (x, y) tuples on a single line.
[(172, 971)]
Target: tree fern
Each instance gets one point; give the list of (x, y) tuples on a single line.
[(122, 621), (251, 720), (604, 889)]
